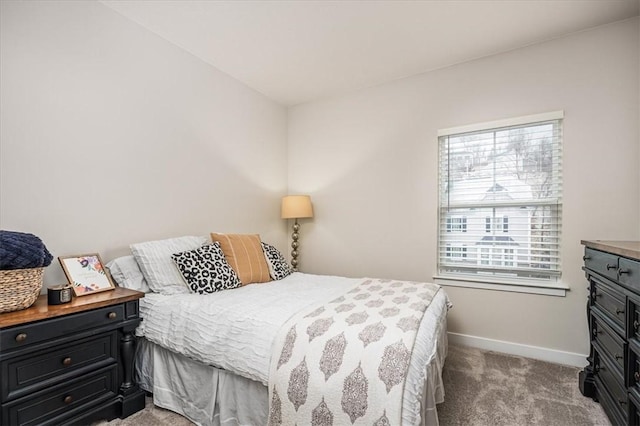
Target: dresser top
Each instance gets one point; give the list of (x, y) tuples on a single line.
[(42, 310), (629, 249)]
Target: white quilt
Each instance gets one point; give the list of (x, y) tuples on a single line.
[(236, 329), (347, 360)]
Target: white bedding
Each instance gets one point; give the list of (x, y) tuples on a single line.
[(235, 330)]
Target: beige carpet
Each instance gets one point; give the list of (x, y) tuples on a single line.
[(488, 388), (482, 388)]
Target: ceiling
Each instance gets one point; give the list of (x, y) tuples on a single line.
[(300, 51)]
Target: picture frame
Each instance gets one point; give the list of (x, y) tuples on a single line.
[(86, 273)]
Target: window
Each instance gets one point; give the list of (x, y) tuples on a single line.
[(496, 256), (456, 254), (501, 201), (501, 224), (457, 224)]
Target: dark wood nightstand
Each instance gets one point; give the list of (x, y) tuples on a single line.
[(71, 363)]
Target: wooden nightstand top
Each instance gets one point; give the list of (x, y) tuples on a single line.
[(41, 310)]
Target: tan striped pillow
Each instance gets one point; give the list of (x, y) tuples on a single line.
[(244, 254)]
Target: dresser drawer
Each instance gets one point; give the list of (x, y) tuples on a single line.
[(615, 409), (20, 336), (634, 373), (51, 406), (609, 345), (629, 272), (634, 407), (603, 263), (609, 378), (609, 301), (30, 372), (633, 328)]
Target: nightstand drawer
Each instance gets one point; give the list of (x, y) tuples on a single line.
[(21, 336), (30, 372), (50, 406), (605, 264), (610, 302)]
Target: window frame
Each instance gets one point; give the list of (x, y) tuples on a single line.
[(509, 256)]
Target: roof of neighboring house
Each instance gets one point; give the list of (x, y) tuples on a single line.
[(499, 240), (473, 190)]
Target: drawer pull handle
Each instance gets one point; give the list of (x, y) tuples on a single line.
[(112, 315), (595, 295), (585, 258), (622, 402), (66, 361), (619, 311), (595, 332), (636, 325), (622, 271), (68, 399), (636, 376), (21, 337), (617, 356), (611, 267)]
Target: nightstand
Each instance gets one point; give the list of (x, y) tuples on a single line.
[(71, 363)]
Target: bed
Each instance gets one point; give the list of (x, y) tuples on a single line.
[(214, 358)]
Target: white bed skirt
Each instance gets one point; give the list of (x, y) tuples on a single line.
[(208, 395), (205, 395)]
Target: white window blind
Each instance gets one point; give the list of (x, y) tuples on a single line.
[(505, 180)]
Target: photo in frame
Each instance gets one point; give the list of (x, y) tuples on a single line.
[(86, 274)]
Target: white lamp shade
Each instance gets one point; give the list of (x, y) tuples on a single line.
[(296, 207)]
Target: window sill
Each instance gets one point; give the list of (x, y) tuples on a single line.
[(530, 287)]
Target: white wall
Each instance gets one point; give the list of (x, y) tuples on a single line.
[(369, 161), (110, 135), (105, 127)]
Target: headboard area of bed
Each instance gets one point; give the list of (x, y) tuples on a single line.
[(199, 264)]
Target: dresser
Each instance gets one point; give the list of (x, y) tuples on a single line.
[(71, 363), (612, 377)]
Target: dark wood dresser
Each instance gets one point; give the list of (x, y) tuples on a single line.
[(613, 313), (71, 363)]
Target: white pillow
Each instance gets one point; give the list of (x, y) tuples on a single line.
[(154, 259), (126, 272)]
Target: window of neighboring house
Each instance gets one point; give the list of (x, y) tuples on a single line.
[(456, 254), (497, 256), (501, 201), (457, 224), (500, 224)]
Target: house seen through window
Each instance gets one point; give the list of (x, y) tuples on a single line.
[(500, 204)]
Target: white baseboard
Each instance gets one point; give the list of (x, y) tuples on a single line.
[(535, 352)]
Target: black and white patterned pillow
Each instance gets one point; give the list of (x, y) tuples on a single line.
[(278, 265), (206, 270)]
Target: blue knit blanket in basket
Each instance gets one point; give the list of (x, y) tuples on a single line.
[(19, 250)]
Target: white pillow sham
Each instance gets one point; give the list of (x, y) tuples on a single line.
[(154, 259), (126, 272)]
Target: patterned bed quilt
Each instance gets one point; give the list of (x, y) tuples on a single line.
[(347, 359), (371, 335)]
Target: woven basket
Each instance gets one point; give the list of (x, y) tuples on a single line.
[(19, 288)]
